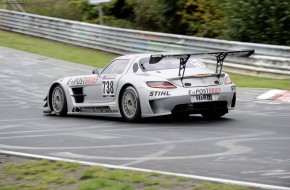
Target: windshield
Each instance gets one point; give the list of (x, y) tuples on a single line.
[(170, 63)]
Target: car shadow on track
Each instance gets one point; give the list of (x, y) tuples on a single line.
[(193, 119)]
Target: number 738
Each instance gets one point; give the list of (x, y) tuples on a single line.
[(108, 87)]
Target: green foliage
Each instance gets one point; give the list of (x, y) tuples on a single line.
[(88, 12), (149, 15), (121, 9), (201, 17), (105, 184), (53, 8), (260, 21)]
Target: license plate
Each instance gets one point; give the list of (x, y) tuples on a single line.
[(203, 97)]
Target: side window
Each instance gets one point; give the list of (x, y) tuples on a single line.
[(116, 67)]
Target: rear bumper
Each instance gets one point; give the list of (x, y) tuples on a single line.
[(197, 108), (184, 104)]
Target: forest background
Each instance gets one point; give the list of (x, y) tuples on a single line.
[(258, 21)]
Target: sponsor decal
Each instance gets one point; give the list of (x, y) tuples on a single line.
[(159, 93), (82, 81), (108, 77), (204, 91), (100, 109)]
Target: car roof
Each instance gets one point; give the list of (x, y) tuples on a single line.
[(133, 56), (142, 55)]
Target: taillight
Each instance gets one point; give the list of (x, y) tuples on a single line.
[(228, 80), (160, 84)]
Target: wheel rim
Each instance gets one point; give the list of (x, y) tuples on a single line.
[(57, 99), (129, 104)]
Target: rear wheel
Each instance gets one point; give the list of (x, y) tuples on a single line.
[(212, 115), (58, 101), (130, 105)]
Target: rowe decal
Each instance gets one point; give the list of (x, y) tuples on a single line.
[(159, 93), (101, 109), (204, 91), (82, 81)]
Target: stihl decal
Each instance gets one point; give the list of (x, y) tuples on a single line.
[(159, 93)]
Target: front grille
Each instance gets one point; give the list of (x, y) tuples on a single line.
[(201, 107)]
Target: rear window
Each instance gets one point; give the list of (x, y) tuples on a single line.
[(170, 63)]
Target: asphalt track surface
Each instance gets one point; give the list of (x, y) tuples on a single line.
[(250, 144)]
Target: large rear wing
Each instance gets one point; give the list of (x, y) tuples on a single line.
[(183, 57)]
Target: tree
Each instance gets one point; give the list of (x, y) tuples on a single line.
[(259, 21), (202, 17), (53, 8), (149, 15)]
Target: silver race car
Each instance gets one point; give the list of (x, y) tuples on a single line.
[(147, 85)]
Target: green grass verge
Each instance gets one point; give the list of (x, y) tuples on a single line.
[(55, 49), (46, 175), (100, 59), (260, 82)]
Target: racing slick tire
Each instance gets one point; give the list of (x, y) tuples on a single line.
[(212, 115), (130, 105), (58, 101)]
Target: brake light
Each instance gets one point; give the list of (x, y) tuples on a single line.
[(228, 80), (160, 84)]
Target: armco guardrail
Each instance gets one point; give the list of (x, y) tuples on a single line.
[(269, 60)]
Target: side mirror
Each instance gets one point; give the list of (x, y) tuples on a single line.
[(97, 71)]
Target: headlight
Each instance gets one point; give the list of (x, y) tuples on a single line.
[(160, 84), (228, 80)]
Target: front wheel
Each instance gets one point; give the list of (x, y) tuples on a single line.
[(130, 105), (58, 101)]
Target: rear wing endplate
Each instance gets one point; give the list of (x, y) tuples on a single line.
[(183, 57)]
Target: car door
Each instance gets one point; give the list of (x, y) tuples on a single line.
[(110, 77)]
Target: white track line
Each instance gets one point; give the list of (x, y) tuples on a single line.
[(218, 180), (38, 118)]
